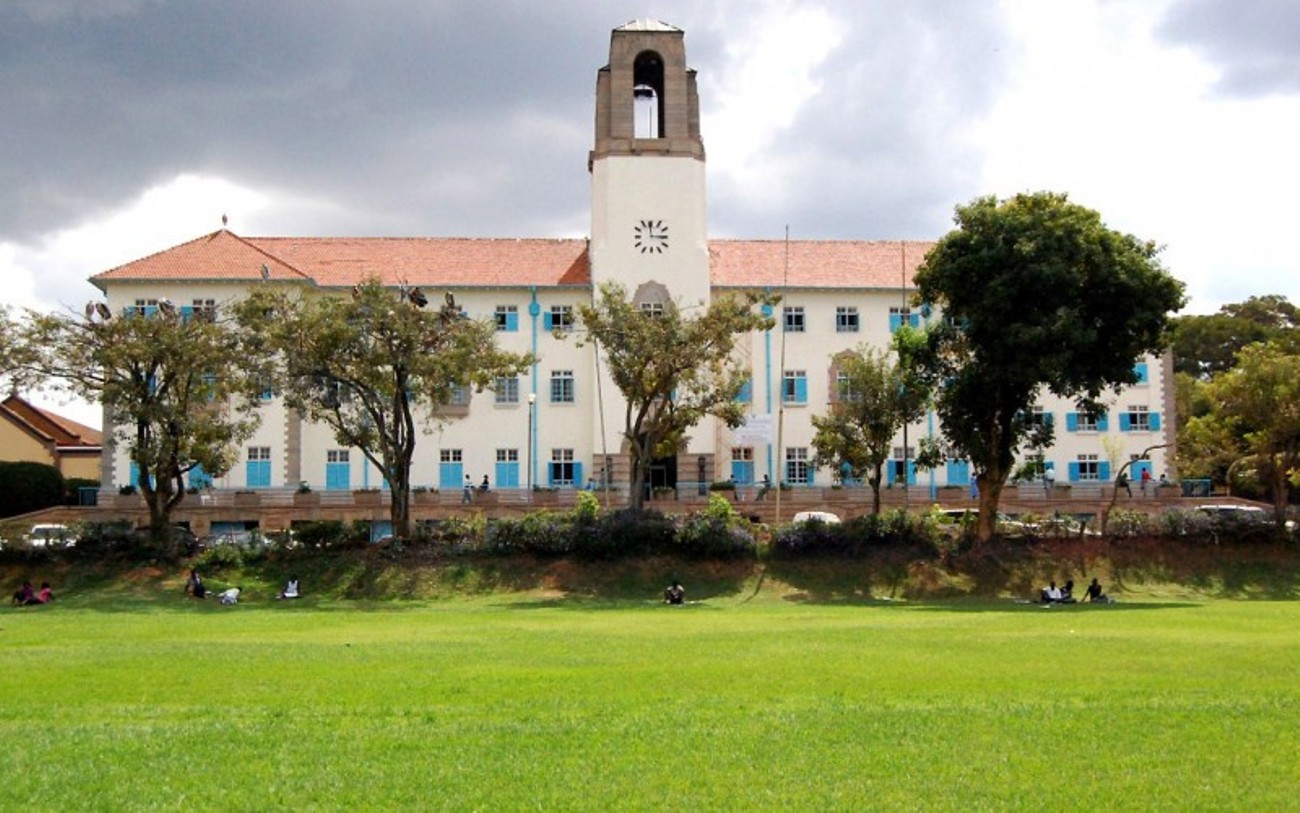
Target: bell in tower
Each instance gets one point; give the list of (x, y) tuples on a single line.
[(646, 100)]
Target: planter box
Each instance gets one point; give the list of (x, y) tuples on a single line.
[(367, 497), (308, 499), (835, 494), (424, 498), (546, 498), (247, 500), (126, 501)]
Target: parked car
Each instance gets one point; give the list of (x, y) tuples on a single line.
[(43, 535), (1233, 512), (824, 517)]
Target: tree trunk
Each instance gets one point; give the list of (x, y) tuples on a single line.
[(990, 488), (874, 480), (399, 509)]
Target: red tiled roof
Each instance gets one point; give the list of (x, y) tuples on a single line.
[(63, 432), (815, 263), (445, 261), (221, 255), (476, 262)]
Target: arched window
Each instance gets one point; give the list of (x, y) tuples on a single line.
[(648, 95)]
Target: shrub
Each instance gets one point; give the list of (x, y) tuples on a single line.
[(26, 486), (325, 533), (896, 528)]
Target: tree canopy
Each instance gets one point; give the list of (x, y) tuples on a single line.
[(1204, 345), (672, 369), (179, 388), (875, 397), (368, 365), (1253, 420), (1036, 293)]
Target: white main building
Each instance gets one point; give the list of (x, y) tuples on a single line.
[(649, 231)]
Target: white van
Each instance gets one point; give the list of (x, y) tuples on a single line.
[(41, 535)]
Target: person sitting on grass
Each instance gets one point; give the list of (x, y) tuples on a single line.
[(1067, 592), (675, 593), (230, 596), (25, 595), (194, 585), (46, 595), (290, 588), (1094, 594), (1050, 594)]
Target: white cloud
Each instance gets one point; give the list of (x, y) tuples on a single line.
[(1098, 109), (767, 77)]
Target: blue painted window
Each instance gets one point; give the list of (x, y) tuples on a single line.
[(958, 473), (451, 470), (898, 315), (746, 392), (338, 469), (742, 465), (1140, 370), (257, 471), (507, 318), (560, 317), (563, 470), (198, 478), (1139, 419), (507, 469), (794, 387)]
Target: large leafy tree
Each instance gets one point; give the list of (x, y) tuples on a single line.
[(375, 367), (180, 390), (1254, 419), (876, 396), (1036, 293), (672, 369), (1207, 344)]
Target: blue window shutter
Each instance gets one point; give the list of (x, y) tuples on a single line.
[(338, 476), (1049, 418), (1154, 419), (746, 392), (1124, 422), (1074, 471), (1049, 465), (550, 475), (512, 321), (546, 321), (914, 320), (895, 322), (1141, 371), (1103, 470), (812, 474), (1072, 422), (578, 482), (1103, 423), (801, 390), (451, 476), (187, 313)]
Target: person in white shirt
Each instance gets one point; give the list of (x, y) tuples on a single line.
[(290, 589), (230, 596)]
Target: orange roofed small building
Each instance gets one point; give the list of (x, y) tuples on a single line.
[(31, 434)]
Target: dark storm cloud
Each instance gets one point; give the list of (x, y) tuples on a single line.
[(883, 151), (1253, 44), (457, 118)]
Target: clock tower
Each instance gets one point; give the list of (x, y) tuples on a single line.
[(648, 226), (648, 220)]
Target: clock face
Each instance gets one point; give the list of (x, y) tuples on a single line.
[(651, 236)]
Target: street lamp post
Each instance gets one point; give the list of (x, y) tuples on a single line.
[(532, 400)]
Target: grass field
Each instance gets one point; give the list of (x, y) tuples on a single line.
[(510, 701)]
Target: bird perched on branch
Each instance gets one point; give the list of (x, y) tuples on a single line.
[(103, 311), (417, 297), (266, 273)]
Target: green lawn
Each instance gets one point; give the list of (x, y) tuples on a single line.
[(508, 702)]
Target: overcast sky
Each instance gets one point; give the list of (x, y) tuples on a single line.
[(132, 125)]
